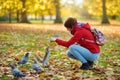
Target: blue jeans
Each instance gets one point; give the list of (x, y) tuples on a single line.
[(82, 54)]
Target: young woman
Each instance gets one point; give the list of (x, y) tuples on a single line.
[(82, 45)]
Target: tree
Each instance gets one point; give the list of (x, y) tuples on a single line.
[(42, 8), (104, 15), (113, 8), (10, 12), (58, 14), (50, 8), (90, 9), (9, 9), (23, 13)]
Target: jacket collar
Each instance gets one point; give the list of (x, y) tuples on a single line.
[(74, 28)]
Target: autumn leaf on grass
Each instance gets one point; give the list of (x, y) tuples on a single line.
[(0, 64), (117, 77), (52, 62), (53, 45), (39, 53), (98, 70), (69, 73), (23, 69), (50, 73), (53, 68), (115, 50), (1, 55), (116, 64), (17, 58), (109, 71), (75, 78), (4, 70), (5, 64), (113, 77), (75, 66), (116, 72), (30, 78), (60, 65), (10, 76), (42, 75), (10, 51)]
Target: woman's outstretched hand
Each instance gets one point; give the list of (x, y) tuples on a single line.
[(53, 39)]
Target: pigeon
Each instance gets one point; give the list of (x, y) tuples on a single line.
[(16, 72), (36, 67), (24, 59), (46, 57)]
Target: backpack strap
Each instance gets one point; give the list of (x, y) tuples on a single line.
[(88, 40)]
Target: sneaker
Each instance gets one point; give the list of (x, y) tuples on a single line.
[(90, 63), (85, 66)]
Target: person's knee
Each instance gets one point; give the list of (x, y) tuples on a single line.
[(72, 47), (68, 53)]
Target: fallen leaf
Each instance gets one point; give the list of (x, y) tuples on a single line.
[(23, 69), (117, 77), (10, 77), (75, 78), (17, 58), (10, 50), (69, 73), (98, 70), (75, 66)]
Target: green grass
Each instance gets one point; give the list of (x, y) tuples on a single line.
[(4, 77), (34, 42)]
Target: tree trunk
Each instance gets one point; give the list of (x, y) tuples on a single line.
[(35, 15), (42, 18), (104, 16), (10, 16), (58, 14), (50, 14), (18, 15), (23, 13), (114, 17)]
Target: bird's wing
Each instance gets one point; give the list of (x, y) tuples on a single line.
[(36, 66)]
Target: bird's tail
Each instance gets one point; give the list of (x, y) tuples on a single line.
[(12, 66)]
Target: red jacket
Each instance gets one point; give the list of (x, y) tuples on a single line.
[(78, 33)]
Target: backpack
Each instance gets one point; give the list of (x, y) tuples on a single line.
[(99, 36)]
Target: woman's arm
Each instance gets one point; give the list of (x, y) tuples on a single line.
[(77, 36)]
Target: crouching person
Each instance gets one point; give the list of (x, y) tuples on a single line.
[(82, 45)]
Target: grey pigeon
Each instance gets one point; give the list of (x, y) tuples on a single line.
[(36, 67), (16, 72), (24, 59)]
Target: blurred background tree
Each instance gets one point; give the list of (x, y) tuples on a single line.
[(104, 13), (26, 11), (58, 13), (23, 18)]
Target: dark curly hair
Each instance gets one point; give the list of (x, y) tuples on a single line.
[(70, 22)]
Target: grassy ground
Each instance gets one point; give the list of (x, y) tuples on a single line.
[(16, 39)]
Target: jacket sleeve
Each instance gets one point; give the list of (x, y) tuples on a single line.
[(77, 36)]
